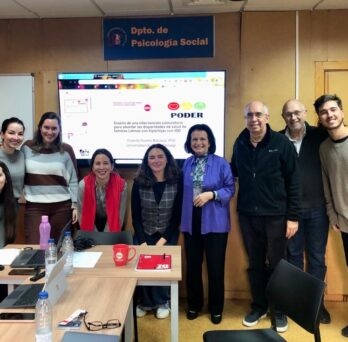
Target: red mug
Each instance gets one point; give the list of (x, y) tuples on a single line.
[(121, 254)]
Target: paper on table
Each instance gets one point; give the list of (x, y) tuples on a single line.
[(7, 255), (86, 259)]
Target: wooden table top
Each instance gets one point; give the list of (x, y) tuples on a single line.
[(106, 266), (103, 298)]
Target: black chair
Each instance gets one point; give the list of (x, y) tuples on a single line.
[(106, 238), (295, 293)]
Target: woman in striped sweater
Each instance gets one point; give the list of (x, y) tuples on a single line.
[(50, 185)]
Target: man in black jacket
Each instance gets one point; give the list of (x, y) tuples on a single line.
[(268, 203), (314, 223)]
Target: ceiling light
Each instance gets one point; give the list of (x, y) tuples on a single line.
[(206, 2)]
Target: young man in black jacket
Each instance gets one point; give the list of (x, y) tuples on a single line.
[(314, 224), (268, 202)]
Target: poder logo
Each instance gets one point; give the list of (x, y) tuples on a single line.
[(186, 106)]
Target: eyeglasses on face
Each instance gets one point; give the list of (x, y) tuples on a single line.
[(98, 325), (297, 113), (251, 115)]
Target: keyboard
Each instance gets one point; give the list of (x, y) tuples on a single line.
[(29, 296), (37, 258)]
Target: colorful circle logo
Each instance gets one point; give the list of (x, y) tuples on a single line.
[(173, 106), (200, 105), (186, 105)]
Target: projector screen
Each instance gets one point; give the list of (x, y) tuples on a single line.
[(127, 112)]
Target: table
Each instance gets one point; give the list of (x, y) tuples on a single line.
[(95, 294), (11, 280), (106, 268)]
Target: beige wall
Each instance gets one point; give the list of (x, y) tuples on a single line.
[(256, 48)]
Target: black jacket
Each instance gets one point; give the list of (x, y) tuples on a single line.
[(310, 167), (269, 182)]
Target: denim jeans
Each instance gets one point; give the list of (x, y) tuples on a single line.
[(153, 296), (311, 238)]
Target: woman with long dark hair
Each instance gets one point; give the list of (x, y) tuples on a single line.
[(7, 207), (50, 185), (156, 211), (102, 195)]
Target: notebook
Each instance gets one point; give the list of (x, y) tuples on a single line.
[(35, 258), (26, 295), (154, 262)]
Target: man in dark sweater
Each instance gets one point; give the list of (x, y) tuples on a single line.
[(269, 202), (313, 226)]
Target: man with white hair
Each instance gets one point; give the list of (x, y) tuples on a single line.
[(314, 224), (268, 202)]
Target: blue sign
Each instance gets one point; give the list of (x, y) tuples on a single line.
[(181, 37)]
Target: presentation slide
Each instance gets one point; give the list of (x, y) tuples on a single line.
[(127, 112)]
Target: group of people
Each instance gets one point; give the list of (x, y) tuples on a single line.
[(292, 187), (44, 170)]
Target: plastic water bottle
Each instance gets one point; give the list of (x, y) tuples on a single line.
[(50, 256), (43, 318), (45, 231), (68, 247)]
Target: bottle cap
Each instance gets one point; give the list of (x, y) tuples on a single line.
[(43, 295), (67, 233), (44, 218), (50, 240)]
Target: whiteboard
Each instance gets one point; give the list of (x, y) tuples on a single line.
[(17, 99)]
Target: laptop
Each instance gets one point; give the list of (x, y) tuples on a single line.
[(35, 258), (26, 295), (71, 336), (106, 238)]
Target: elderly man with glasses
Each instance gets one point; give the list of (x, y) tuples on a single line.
[(268, 205), (314, 223)]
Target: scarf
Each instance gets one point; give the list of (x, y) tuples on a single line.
[(113, 192)]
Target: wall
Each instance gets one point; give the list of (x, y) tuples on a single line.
[(256, 48)]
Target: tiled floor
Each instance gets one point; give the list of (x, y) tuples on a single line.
[(153, 330)]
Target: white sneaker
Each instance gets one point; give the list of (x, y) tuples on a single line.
[(162, 312), (140, 311)]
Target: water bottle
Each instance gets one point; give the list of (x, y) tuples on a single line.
[(68, 248), (50, 256), (43, 318), (45, 231)]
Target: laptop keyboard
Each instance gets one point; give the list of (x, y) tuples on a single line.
[(38, 258), (30, 295)]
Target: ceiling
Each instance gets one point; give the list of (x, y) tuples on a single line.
[(11, 9)]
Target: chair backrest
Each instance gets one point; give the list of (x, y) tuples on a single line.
[(107, 238), (296, 294)]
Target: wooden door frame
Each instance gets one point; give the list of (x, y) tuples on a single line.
[(322, 72), (322, 69)]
